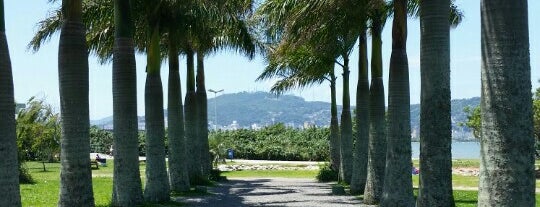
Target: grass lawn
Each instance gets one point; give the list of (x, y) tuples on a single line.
[(45, 191)]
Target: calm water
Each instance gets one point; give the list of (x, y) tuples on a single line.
[(460, 150)]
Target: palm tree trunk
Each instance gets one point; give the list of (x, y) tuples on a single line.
[(398, 189), (9, 167), (507, 175), (358, 180), (127, 187), (202, 118), (177, 148), (346, 127), (157, 182), (334, 125), (435, 122), (190, 110), (377, 123), (75, 173)]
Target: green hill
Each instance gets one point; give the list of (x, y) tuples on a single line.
[(247, 109)]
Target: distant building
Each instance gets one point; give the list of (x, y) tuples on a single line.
[(308, 125), (255, 126), (234, 125)]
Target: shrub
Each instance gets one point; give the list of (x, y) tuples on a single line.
[(273, 143), (215, 175), (327, 174), (24, 175)]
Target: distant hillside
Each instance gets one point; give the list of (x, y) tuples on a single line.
[(457, 115), (249, 109), (264, 108)]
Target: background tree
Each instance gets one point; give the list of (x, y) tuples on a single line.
[(101, 140), (275, 20), (507, 143), (9, 174), (38, 131)]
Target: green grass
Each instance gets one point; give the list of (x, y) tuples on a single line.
[(462, 181), (45, 191), (271, 174)]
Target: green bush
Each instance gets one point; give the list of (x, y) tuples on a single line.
[(275, 142), (327, 174), (24, 175), (215, 175)]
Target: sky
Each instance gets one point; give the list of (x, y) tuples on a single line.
[(36, 74)]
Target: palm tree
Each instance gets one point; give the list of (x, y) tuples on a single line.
[(507, 175), (219, 29), (75, 174), (9, 176), (435, 124), (174, 25), (275, 18), (190, 112), (377, 126), (177, 147), (397, 190), (360, 155), (202, 117), (127, 188), (157, 182)]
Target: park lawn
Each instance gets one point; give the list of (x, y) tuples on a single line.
[(45, 191), (272, 174), (462, 181), (466, 163)]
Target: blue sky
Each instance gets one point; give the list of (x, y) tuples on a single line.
[(35, 74)]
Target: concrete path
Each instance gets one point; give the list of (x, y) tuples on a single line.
[(270, 192)]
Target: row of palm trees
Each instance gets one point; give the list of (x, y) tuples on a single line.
[(158, 28), (303, 41), (308, 37)]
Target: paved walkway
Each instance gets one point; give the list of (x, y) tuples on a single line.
[(270, 192)]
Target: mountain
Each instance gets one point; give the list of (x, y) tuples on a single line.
[(257, 109), (458, 116), (264, 108)]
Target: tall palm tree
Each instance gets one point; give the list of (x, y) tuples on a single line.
[(276, 19), (360, 155), (202, 116), (157, 182), (397, 190), (315, 23), (507, 175), (174, 25), (220, 29), (435, 125), (377, 126), (177, 146), (127, 188), (75, 174), (436, 19), (190, 112), (9, 173)]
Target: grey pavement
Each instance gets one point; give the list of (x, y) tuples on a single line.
[(270, 192)]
